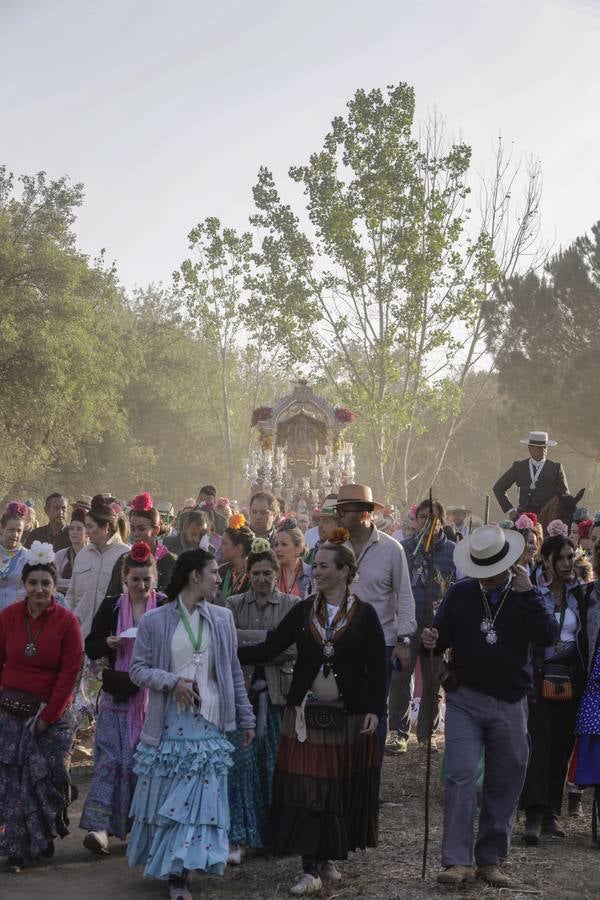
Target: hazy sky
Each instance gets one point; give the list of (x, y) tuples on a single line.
[(165, 111)]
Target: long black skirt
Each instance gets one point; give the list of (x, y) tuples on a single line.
[(326, 788)]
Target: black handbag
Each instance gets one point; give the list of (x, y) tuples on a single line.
[(119, 684)]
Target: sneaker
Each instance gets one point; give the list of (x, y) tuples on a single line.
[(96, 842), (329, 872), (235, 855), (395, 743), (456, 874), (306, 884), (494, 876)]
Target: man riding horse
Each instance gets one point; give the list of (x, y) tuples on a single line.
[(539, 480)]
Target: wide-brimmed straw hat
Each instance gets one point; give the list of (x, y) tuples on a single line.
[(488, 551), (357, 493), (538, 439)]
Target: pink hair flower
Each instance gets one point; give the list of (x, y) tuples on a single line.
[(524, 522), (556, 526), (17, 509)]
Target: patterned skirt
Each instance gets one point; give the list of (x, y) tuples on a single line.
[(34, 784), (107, 804), (588, 760), (325, 789), (251, 783), (179, 809)]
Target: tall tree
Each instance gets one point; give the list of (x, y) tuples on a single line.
[(544, 330), (383, 278)]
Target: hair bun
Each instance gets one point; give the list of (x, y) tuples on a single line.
[(339, 536), (287, 524)]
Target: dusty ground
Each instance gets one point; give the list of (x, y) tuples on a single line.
[(557, 870)]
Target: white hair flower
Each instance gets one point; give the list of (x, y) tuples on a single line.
[(40, 554)]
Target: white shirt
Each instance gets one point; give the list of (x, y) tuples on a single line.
[(205, 676), (311, 536)]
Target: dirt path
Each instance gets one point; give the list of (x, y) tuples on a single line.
[(557, 870)]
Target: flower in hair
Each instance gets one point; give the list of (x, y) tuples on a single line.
[(223, 501), (40, 554), (580, 514), (236, 521), (140, 552), (533, 517), (557, 527), (287, 523), (524, 521), (260, 545), (584, 527), (339, 536), (142, 503), (17, 509), (507, 525), (116, 508)]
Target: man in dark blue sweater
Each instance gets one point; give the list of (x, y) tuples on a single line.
[(489, 620)]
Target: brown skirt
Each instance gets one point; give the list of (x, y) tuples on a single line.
[(325, 789)]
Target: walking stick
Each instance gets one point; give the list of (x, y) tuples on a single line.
[(486, 511), (429, 547)]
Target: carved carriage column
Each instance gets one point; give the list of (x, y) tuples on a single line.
[(299, 451)]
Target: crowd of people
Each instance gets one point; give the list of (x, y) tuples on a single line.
[(241, 662)]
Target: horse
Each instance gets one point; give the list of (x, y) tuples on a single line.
[(560, 507)]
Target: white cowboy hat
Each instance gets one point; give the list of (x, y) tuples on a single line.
[(488, 551), (538, 439)]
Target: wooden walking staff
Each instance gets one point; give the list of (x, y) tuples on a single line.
[(429, 547), (486, 510)]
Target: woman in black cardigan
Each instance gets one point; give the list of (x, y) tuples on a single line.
[(326, 782)]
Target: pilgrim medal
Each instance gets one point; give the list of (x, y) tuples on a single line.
[(328, 650), (30, 650), (486, 625), (197, 658), (491, 637)]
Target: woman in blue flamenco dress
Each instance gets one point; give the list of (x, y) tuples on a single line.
[(185, 653), (587, 726)]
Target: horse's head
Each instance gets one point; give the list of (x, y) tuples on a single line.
[(567, 506)]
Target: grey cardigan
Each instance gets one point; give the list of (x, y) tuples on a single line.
[(151, 664)]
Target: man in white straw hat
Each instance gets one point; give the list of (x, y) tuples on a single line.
[(538, 479), (489, 619)]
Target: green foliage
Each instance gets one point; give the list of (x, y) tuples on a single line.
[(545, 332), (385, 278)]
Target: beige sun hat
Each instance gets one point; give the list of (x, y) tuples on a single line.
[(357, 493), (488, 551)]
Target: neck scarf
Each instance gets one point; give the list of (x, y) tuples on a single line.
[(9, 560), (139, 701)]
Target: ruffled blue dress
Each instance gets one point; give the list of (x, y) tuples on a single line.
[(180, 809)]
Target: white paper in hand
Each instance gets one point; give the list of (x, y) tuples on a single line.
[(129, 633)]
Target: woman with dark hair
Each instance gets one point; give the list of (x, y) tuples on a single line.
[(194, 533), (145, 524), (65, 558), (235, 547), (40, 657), (294, 574), (185, 654), (257, 611), (559, 677), (12, 553), (122, 705), (93, 566), (326, 782)]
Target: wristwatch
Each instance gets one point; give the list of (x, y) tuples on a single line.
[(403, 639)]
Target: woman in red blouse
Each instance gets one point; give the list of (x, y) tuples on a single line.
[(41, 652)]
